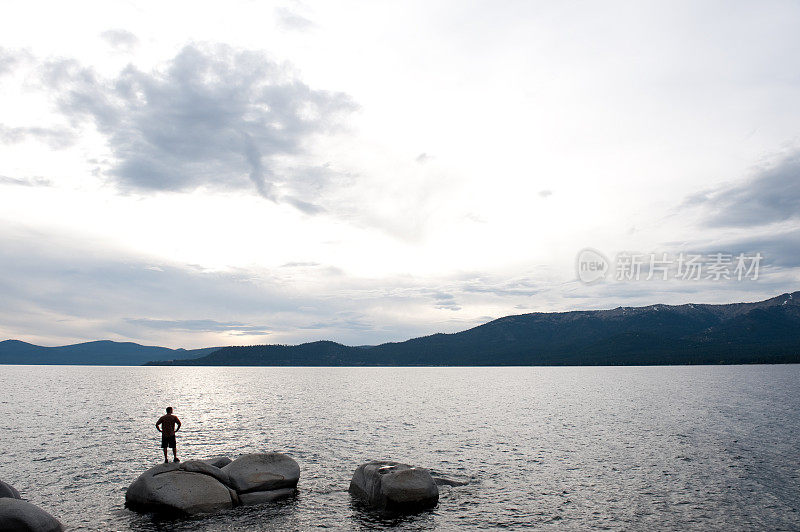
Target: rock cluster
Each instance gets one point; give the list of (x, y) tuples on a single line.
[(21, 516), (201, 486), (394, 486)]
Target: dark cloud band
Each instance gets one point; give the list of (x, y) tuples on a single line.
[(213, 116), (771, 195)]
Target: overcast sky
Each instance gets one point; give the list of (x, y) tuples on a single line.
[(190, 174)]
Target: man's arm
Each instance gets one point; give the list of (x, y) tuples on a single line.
[(177, 424), (158, 428)]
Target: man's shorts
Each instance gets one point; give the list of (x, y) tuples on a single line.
[(167, 441)]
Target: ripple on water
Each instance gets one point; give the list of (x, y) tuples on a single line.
[(581, 448)]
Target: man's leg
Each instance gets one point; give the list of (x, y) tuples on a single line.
[(165, 454), (175, 452)]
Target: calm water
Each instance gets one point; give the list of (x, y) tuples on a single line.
[(555, 448)]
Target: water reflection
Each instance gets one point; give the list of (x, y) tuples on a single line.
[(363, 516), (588, 448)]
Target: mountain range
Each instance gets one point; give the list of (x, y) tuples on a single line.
[(100, 353), (739, 333), (763, 332)]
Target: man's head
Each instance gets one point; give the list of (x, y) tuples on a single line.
[(169, 410)]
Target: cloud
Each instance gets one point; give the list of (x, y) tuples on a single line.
[(518, 286), (443, 300), (756, 216), (771, 195), (289, 20), (300, 264), (304, 206), (56, 138), (213, 116), (423, 158), (9, 59), (477, 218), (545, 193), (354, 321), (779, 248), (25, 182), (56, 289), (121, 40), (205, 325)]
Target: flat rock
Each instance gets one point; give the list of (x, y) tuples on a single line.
[(260, 497), (262, 472), (185, 487), (394, 486), (20, 516), (7, 490)]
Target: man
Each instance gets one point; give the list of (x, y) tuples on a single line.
[(168, 425)]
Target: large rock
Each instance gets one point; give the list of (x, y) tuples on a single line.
[(394, 486), (199, 486), (7, 490), (20, 516), (190, 487), (262, 472)]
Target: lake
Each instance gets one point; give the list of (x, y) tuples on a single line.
[(612, 448)]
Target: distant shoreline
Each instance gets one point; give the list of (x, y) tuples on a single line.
[(763, 332)]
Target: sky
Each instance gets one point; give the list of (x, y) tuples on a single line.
[(194, 174)]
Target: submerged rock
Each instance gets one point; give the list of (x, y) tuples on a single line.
[(394, 486), (8, 491), (262, 472), (173, 488), (442, 480), (260, 497), (21, 516)]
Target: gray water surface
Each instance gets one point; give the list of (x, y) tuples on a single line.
[(705, 447)]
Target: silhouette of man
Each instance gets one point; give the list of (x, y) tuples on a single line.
[(168, 425)]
